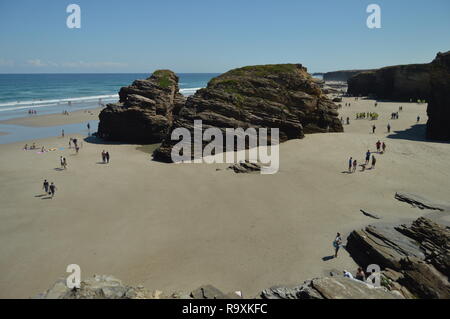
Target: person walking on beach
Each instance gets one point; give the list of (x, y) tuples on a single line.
[(52, 189), (64, 163), (389, 128), (355, 164), (337, 244), (45, 186), (374, 161), (378, 144), (89, 129), (373, 129), (348, 120), (107, 157), (350, 163), (61, 160), (383, 147), (418, 119), (62, 133), (103, 156), (70, 142), (367, 157)]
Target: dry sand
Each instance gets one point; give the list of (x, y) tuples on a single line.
[(55, 119), (174, 227)]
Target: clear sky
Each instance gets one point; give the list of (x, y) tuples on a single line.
[(217, 35)]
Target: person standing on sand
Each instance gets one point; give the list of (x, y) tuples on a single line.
[(350, 163), (348, 120), (337, 244), (389, 128), (378, 144), (418, 119), (89, 129), (45, 186), (360, 275), (70, 142), (62, 133), (52, 189), (103, 156), (367, 157), (107, 157), (355, 164), (61, 160), (64, 163), (374, 161), (373, 129), (384, 147)]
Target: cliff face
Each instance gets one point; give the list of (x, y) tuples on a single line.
[(398, 83), (438, 126), (343, 75), (145, 110), (268, 96)]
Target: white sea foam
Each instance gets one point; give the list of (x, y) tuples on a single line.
[(52, 101), (42, 103), (189, 91)]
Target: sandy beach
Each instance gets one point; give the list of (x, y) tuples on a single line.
[(175, 227), (55, 119)]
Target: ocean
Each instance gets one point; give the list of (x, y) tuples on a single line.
[(54, 93)]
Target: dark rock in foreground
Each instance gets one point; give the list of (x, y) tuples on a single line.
[(418, 255), (268, 96), (331, 288), (145, 110)]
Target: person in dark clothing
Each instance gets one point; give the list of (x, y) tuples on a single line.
[(52, 189), (45, 186), (107, 157)]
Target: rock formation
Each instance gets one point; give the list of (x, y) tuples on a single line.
[(438, 126), (268, 96), (415, 259), (331, 288), (406, 82), (397, 83), (343, 75), (145, 110)]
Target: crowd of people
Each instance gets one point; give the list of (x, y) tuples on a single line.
[(367, 115), (369, 158)]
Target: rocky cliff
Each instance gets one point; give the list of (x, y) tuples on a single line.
[(267, 96), (145, 110), (343, 75), (398, 83), (402, 82), (438, 126)]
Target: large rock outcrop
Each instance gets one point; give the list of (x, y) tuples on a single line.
[(414, 258), (145, 110), (405, 82), (438, 126), (267, 96), (397, 83)]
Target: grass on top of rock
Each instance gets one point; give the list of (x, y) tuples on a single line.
[(163, 77)]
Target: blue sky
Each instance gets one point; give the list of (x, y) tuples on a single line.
[(215, 36)]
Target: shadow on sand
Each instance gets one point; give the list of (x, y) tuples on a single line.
[(97, 140), (326, 258), (416, 132)]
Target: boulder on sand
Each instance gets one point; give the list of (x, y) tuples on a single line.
[(145, 110)]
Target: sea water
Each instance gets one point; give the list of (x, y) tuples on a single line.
[(55, 93)]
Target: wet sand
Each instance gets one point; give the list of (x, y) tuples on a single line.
[(55, 119)]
